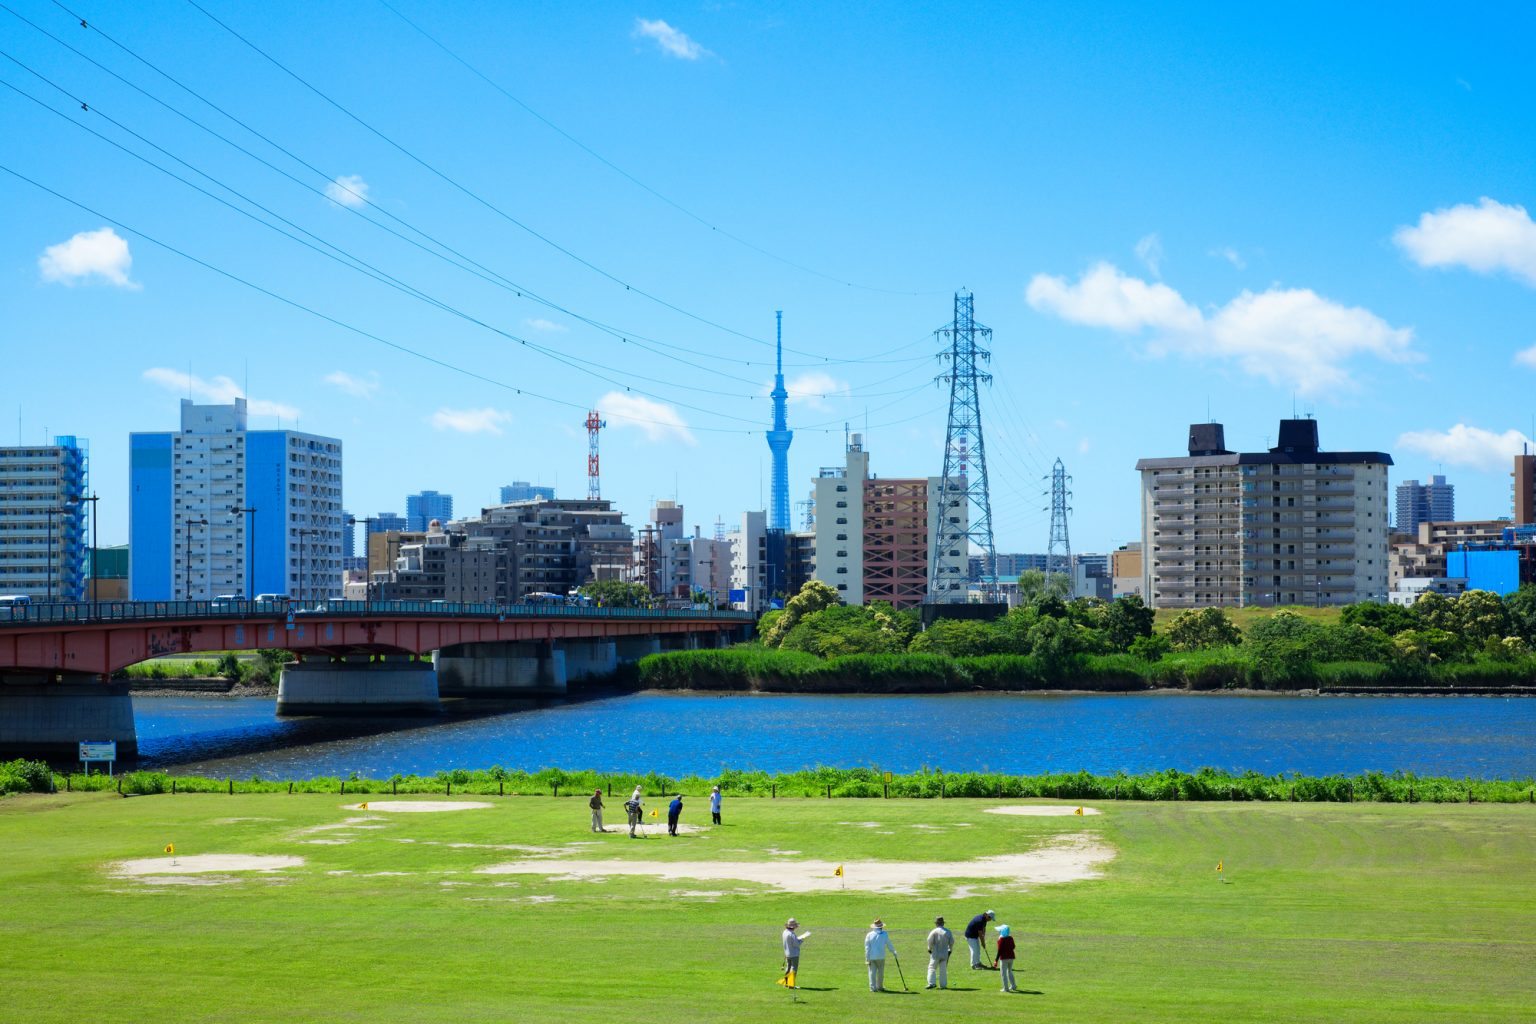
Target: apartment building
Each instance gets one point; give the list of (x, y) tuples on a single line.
[(43, 540), (1434, 502), (1293, 525), (874, 535), (218, 509)]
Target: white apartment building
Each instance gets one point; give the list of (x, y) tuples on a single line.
[(192, 534), (43, 542), (1292, 526)]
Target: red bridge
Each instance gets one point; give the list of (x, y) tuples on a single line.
[(355, 657)]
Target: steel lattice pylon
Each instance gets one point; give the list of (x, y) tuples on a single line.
[(1058, 553), (963, 483)]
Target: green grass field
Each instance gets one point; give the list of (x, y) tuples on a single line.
[(1408, 913)]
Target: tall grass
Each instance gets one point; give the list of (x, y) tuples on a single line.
[(1226, 668), (1204, 785)]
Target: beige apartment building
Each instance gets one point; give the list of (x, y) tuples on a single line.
[(1424, 555), (1293, 525)]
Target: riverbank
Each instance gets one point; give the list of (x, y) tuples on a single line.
[(210, 686)]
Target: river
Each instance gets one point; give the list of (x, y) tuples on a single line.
[(679, 734)]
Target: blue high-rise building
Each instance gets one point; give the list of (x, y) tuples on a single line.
[(779, 437), (522, 490), (421, 509), (43, 539)]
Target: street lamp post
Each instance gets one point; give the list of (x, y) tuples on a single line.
[(95, 557), (302, 534), (191, 523), (249, 511)]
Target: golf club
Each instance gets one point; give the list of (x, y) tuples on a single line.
[(986, 957), (899, 973)]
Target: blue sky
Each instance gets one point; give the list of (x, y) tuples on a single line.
[(1160, 211)]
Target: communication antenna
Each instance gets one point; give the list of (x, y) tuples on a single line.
[(595, 423), (964, 515)]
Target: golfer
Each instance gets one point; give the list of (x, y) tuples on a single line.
[(940, 941), (714, 805), (635, 807), (876, 945), (1005, 958), (674, 811), (596, 803), (976, 937), (792, 949)]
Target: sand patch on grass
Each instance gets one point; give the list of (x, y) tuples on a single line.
[(419, 806), (1040, 810), (1065, 859), (201, 863), (326, 842), (237, 821), (188, 879)]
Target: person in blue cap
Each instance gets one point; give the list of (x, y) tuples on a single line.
[(1005, 958)]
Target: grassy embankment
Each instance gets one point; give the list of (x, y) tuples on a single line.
[(749, 668), (1361, 913)]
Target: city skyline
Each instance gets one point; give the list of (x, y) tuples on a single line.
[(1266, 258)]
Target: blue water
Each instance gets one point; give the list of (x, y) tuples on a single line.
[(675, 734)]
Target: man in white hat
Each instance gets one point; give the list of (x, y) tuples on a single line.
[(876, 945), (940, 942), (792, 950)]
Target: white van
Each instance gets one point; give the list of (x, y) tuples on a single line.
[(14, 600)]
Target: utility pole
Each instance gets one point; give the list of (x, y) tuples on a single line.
[(962, 492), (1059, 542)]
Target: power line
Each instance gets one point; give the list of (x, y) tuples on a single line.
[(627, 176), (469, 264)]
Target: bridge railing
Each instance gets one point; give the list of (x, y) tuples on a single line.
[(137, 611)]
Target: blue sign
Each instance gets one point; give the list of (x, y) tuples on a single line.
[(738, 596)]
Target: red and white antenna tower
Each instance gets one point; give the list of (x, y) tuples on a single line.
[(594, 424)]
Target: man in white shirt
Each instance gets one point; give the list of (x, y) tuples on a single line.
[(876, 945), (940, 941), (792, 950)]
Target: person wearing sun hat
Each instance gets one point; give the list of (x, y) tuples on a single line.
[(792, 949), (876, 945), (940, 942), (1005, 958)]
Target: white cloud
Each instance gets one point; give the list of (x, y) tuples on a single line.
[(671, 40), (348, 190), (218, 391), (538, 323), (1487, 237), (812, 389), (1105, 297), (1150, 251), (470, 421), (358, 387), (1526, 357), (1293, 337), (658, 420), (102, 253), (1467, 446), (1084, 444), (1232, 256)]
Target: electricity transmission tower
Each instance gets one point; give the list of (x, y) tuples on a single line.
[(1058, 554), (965, 509), (594, 423)]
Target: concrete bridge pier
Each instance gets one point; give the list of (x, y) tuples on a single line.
[(45, 716), (633, 648), (514, 669), (680, 642), (589, 659), (359, 685)]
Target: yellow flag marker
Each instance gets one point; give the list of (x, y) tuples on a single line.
[(654, 812), (1078, 812), (170, 848), (363, 806), (1219, 865), (837, 872)]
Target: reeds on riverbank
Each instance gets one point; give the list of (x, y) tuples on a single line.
[(827, 783)]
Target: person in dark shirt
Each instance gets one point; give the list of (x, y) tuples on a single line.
[(674, 811), (976, 937), (1005, 958)]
